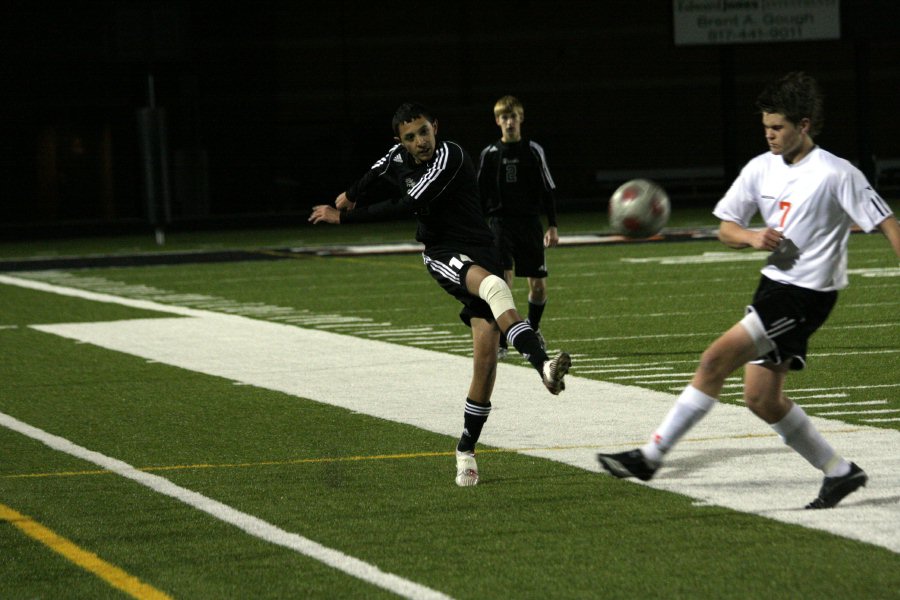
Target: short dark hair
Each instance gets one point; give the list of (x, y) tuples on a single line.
[(410, 111), (796, 96)]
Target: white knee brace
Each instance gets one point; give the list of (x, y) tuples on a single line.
[(497, 294)]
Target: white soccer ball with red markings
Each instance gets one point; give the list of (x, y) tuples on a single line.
[(640, 208)]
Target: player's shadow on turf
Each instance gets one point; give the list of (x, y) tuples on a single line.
[(505, 479), (686, 466), (851, 501)]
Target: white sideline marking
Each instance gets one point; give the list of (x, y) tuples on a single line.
[(706, 257), (816, 406), (859, 412), (248, 523), (731, 458)]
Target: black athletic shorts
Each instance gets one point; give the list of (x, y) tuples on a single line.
[(449, 265), (521, 243), (790, 314)]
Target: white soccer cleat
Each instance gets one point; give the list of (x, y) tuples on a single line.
[(466, 469), (554, 371)]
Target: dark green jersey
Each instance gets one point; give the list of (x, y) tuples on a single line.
[(514, 181)]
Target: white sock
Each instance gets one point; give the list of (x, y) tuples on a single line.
[(798, 432), (691, 406)]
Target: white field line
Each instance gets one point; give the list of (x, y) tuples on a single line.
[(729, 459), (407, 331), (694, 361), (650, 376), (711, 335), (625, 367), (727, 385), (438, 337), (706, 257), (832, 404), (861, 352), (354, 325), (248, 523), (866, 326), (791, 393), (451, 341), (624, 370), (836, 413), (583, 359)]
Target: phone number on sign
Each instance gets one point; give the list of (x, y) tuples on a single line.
[(755, 34)]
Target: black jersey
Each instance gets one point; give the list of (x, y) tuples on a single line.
[(514, 180), (442, 193)]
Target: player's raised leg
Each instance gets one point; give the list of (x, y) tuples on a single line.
[(519, 334)]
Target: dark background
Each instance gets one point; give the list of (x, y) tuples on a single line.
[(273, 106)]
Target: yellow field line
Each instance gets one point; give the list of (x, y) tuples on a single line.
[(89, 561), (301, 461)]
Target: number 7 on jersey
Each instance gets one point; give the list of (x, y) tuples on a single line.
[(786, 207)]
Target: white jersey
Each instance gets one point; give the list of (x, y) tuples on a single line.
[(814, 202)]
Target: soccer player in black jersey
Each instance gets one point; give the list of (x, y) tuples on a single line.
[(436, 181), (516, 189)]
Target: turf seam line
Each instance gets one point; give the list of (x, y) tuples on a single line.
[(400, 456)]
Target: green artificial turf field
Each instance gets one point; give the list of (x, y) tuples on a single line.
[(378, 492)]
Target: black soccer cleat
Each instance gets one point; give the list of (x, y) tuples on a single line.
[(834, 489), (628, 464)]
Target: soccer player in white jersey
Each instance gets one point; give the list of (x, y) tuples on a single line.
[(808, 198)]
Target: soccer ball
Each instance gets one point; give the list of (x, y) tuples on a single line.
[(639, 208)]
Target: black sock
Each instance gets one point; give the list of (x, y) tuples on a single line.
[(523, 338), (473, 420), (535, 312)]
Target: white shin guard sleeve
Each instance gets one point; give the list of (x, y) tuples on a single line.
[(798, 432), (757, 331), (691, 406)]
